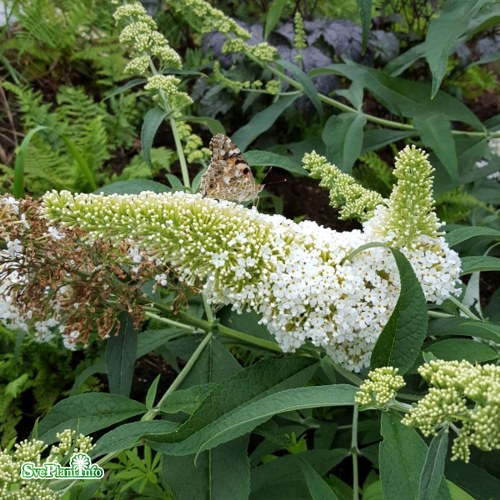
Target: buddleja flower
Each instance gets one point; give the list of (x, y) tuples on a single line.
[(464, 397), (409, 213), (406, 220), (296, 276), (299, 41), (205, 19), (494, 150), (353, 200), (381, 388), (53, 283), (151, 55), (11, 461)]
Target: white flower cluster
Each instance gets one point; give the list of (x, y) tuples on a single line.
[(10, 276), (295, 275), (494, 147)]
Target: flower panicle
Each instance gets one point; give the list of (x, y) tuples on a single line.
[(464, 397), (409, 215), (381, 388), (50, 279), (151, 55), (299, 41), (12, 485), (295, 276), (353, 200)]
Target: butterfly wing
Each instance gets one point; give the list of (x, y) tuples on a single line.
[(228, 176)]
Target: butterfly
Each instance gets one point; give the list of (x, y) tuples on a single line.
[(228, 176)]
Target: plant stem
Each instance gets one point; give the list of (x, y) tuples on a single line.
[(355, 453), (464, 309), (175, 384), (175, 133), (347, 374), (348, 109), (438, 314), (180, 153), (208, 309), (168, 321), (229, 332), (185, 371)]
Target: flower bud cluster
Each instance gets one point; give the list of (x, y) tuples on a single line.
[(465, 397), (151, 55), (381, 388), (11, 461), (353, 200)]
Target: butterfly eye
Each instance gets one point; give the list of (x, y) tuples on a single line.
[(245, 171)]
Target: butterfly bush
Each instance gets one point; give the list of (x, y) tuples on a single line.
[(299, 277), (461, 396), (12, 486), (152, 57)]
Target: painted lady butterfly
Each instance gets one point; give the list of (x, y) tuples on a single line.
[(228, 177)]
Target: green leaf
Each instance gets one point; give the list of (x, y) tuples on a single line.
[(151, 395), (479, 263), (262, 121), (343, 136), (473, 479), (215, 126), (318, 487), (404, 97), (133, 186), (264, 158), (87, 413), (282, 478), (81, 162), (120, 356), (400, 342), (124, 87), (127, 436), (443, 33), (457, 493), (153, 119), (405, 60), (467, 232), (15, 387), (222, 473), (435, 131), (18, 184), (402, 455), (307, 85), (248, 416), (255, 382), (273, 16), (433, 470), (98, 367), (365, 13), (186, 400), (470, 350), (378, 138), (216, 363), (175, 182), (152, 339), (464, 327)]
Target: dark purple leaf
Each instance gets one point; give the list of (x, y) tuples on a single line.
[(345, 38), (286, 30), (488, 45), (384, 44)]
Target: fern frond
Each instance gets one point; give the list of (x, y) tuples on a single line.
[(454, 206), (374, 173), (49, 165)]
